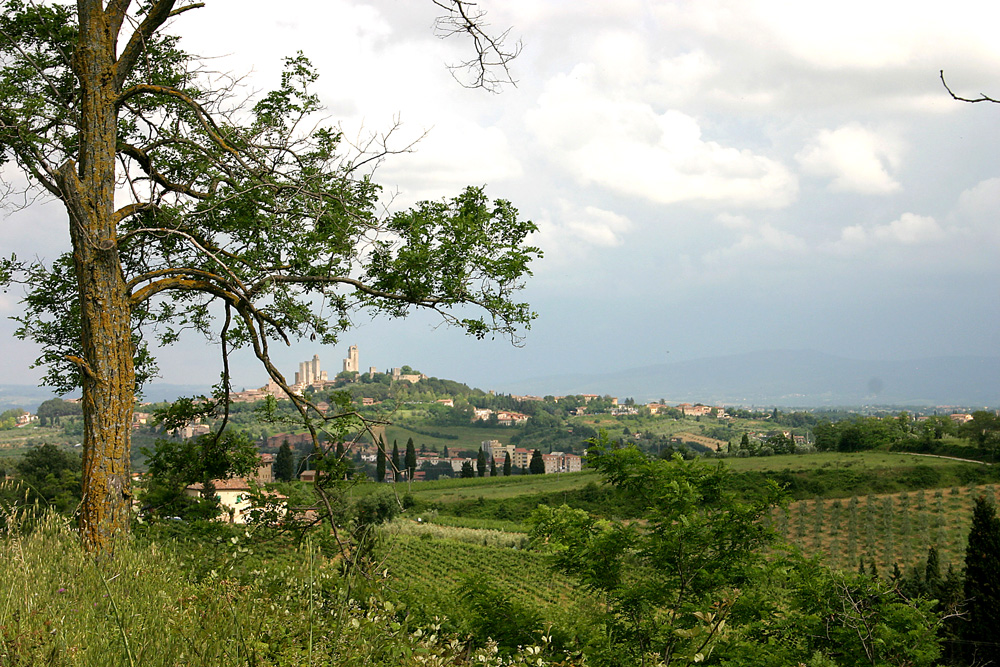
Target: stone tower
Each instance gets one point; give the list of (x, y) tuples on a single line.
[(351, 364)]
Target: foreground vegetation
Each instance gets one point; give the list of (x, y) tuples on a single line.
[(703, 577), (651, 556), (158, 603)]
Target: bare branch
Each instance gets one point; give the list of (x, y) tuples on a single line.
[(490, 67), (972, 100)]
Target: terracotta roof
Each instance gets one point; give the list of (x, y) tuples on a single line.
[(235, 484)]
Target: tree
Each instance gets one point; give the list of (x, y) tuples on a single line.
[(537, 464), (52, 475), (982, 579), (506, 464), (284, 463), (410, 459), (395, 461), (380, 461), (693, 547), (185, 201), (481, 463), (493, 467), (467, 471), (983, 430), (50, 412), (932, 574)]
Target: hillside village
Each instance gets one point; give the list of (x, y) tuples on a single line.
[(450, 477), (426, 429)]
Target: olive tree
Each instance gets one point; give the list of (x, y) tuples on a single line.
[(190, 207)]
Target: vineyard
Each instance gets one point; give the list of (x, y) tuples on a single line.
[(883, 529), (427, 568)]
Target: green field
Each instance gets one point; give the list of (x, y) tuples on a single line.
[(19, 438), (466, 437), (840, 460), (489, 488)]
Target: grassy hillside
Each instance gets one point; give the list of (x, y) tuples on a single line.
[(875, 461), (494, 488), (459, 437)]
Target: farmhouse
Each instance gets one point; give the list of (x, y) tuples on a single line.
[(234, 495)]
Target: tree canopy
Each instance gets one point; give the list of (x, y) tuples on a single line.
[(192, 206)]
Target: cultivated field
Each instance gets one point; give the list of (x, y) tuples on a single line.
[(884, 529)]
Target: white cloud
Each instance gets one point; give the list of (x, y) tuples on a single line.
[(570, 231), (856, 34), (596, 226), (979, 206), (767, 240), (856, 159), (442, 162), (909, 229), (731, 221), (623, 144)]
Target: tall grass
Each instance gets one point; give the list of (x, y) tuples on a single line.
[(150, 605), (481, 536)]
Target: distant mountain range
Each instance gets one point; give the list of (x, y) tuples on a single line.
[(29, 397), (792, 379), (774, 378)]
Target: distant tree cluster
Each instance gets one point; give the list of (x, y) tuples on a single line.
[(859, 434), (47, 474), (8, 418)]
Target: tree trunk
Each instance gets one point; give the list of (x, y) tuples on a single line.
[(106, 335)]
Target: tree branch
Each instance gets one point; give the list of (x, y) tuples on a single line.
[(972, 100), (491, 53), (158, 13), (146, 164)]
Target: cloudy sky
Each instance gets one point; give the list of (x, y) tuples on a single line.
[(708, 177)]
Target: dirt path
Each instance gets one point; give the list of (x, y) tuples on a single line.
[(950, 458)]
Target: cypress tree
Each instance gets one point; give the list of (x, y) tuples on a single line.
[(284, 463), (537, 465), (982, 577), (410, 459), (932, 574), (506, 464), (493, 467), (481, 463), (445, 454), (395, 461), (380, 461)]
